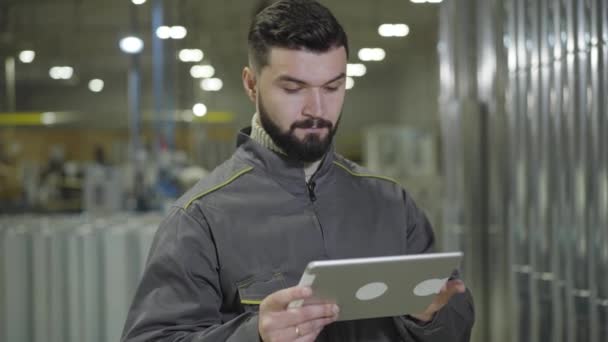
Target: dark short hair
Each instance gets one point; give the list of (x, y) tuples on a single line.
[(296, 25)]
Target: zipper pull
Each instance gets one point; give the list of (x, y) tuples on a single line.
[(311, 191)]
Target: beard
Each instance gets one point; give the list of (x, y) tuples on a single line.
[(310, 149)]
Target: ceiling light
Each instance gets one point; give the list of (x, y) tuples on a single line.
[(96, 85), (202, 71), (355, 70), (68, 72), (199, 110), (27, 56), (350, 83), (55, 73), (163, 32), (212, 84), (393, 30), (138, 2), (173, 32), (131, 45), (191, 55), (372, 54), (61, 72), (178, 32)]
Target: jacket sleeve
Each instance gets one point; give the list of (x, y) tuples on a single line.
[(179, 295), (454, 321)]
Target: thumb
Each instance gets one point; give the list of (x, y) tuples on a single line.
[(455, 286), (279, 300)]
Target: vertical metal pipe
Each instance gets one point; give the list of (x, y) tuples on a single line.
[(602, 196), (158, 72), (602, 258), (134, 95)]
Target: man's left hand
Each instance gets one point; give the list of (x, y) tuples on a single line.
[(448, 290)]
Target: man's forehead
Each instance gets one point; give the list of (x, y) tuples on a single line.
[(305, 65)]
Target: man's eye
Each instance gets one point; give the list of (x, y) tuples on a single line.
[(292, 90), (332, 88)]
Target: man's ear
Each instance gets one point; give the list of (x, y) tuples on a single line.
[(250, 83)]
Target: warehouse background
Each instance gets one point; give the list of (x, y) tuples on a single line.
[(491, 113)]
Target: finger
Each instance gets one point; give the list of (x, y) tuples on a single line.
[(311, 313), (311, 326), (310, 337), (455, 286), (450, 288), (279, 300), (281, 320), (317, 301), (423, 317), (302, 333), (297, 316)]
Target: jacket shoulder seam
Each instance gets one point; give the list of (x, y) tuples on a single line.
[(219, 186), (365, 175)]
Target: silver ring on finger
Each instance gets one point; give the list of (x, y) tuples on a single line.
[(298, 332)]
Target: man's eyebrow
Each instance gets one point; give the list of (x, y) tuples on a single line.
[(286, 78), (339, 77)]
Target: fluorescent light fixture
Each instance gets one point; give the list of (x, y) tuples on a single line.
[(96, 85), (163, 32), (202, 71), (173, 32), (61, 72), (178, 32), (393, 30), (355, 70), (191, 55), (55, 73), (131, 45), (426, 1), (138, 2), (350, 82), (27, 56), (212, 84), (199, 110), (372, 54)]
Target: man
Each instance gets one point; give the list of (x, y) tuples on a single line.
[(226, 260)]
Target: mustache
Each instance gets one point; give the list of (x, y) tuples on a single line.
[(312, 123)]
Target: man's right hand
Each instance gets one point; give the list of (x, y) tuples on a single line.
[(278, 323)]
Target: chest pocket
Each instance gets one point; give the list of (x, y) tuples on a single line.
[(253, 290)]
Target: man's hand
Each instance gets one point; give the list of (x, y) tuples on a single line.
[(448, 290), (277, 322)]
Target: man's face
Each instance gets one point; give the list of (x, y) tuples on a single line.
[(299, 97)]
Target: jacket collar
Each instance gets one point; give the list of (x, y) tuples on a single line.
[(287, 172)]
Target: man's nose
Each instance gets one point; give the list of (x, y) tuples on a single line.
[(314, 104)]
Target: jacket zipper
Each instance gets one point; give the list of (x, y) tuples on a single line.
[(311, 194), (310, 186), (311, 191)]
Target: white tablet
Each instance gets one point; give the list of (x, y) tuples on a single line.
[(379, 287)]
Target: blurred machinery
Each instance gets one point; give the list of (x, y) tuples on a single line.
[(70, 182)]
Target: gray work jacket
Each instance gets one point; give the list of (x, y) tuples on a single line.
[(249, 229)]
